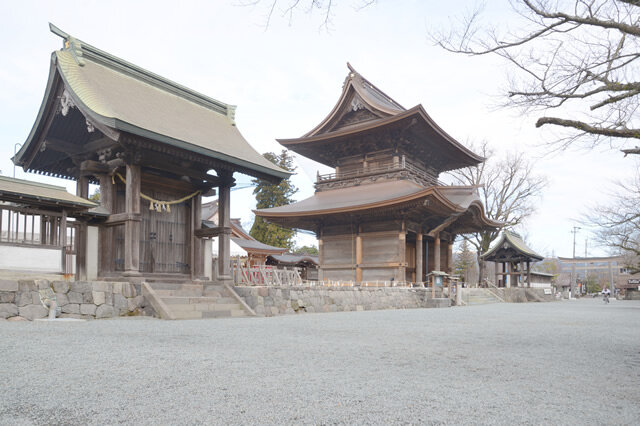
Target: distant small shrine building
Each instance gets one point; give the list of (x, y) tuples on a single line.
[(383, 215), (513, 260), (154, 147)]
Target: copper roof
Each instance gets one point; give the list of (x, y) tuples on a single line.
[(511, 240), (372, 198), (380, 113)]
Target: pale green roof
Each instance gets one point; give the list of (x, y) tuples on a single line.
[(27, 192), (118, 95), (513, 240)]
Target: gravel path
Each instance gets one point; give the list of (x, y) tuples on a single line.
[(572, 362)]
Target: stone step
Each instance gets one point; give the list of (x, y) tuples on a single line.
[(181, 307), (188, 315), (185, 300), (176, 286), (224, 314), (178, 293)]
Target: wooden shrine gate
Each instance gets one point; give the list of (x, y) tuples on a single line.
[(164, 235)]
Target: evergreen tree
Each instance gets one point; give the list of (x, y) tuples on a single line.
[(464, 261), (270, 195)]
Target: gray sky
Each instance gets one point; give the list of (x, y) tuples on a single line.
[(286, 79)]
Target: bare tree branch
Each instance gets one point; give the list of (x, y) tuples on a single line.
[(578, 54), (508, 188)]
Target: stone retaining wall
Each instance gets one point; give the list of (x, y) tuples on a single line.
[(20, 299), (524, 295), (270, 301)]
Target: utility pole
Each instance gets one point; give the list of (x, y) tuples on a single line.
[(573, 264)]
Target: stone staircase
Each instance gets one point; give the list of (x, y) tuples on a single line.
[(479, 296), (194, 300)]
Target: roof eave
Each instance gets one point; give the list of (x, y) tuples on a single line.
[(48, 101)]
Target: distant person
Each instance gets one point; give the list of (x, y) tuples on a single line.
[(606, 293)]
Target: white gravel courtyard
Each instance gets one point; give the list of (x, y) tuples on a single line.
[(566, 362)]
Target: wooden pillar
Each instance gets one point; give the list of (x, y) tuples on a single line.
[(224, 221), (197, 248), (508, 277), (106, 242), (359, 255), (43, 229), (401, 272), (132, 225), (450, 256), (419, 243), (528, 274), (81, 251), (63, 240), (82, 187), (320, 256), (497, 267), (436, 254), (53, 220)]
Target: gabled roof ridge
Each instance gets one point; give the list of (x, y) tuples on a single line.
[(80, 49), (356, 76)]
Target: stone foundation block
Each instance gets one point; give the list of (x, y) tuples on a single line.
[(128, 290), (71, 308), (119, 302), (87, 297), (8, 310), (75, 297), (105, 311), (7, 297), (7, 285), (61, 299), (98, 297), (116, 288), (60, 287), (32, 312), (42, 284), (101, 286), (88, 309), (81, 287), (27, 285)]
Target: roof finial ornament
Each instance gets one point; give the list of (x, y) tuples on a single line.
[(71, 44)]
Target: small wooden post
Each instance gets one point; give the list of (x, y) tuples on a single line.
[(82, 187), (105, 247), (450, 256), (320, 255), (436, 254), (132, 225), (224, 221), (359, 255), (63, 239), (419, 244), (197, 268), (401, 274)]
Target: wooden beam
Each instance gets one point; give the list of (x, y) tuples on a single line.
[(211, 232), (448, 221), (59, 145)]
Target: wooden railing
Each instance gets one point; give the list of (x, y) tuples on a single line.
[(366, 171), (264, 275)]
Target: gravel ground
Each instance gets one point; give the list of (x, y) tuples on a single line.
[(572, 362)]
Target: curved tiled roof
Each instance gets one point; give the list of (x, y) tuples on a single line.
[(510, 239), (118, 96)]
